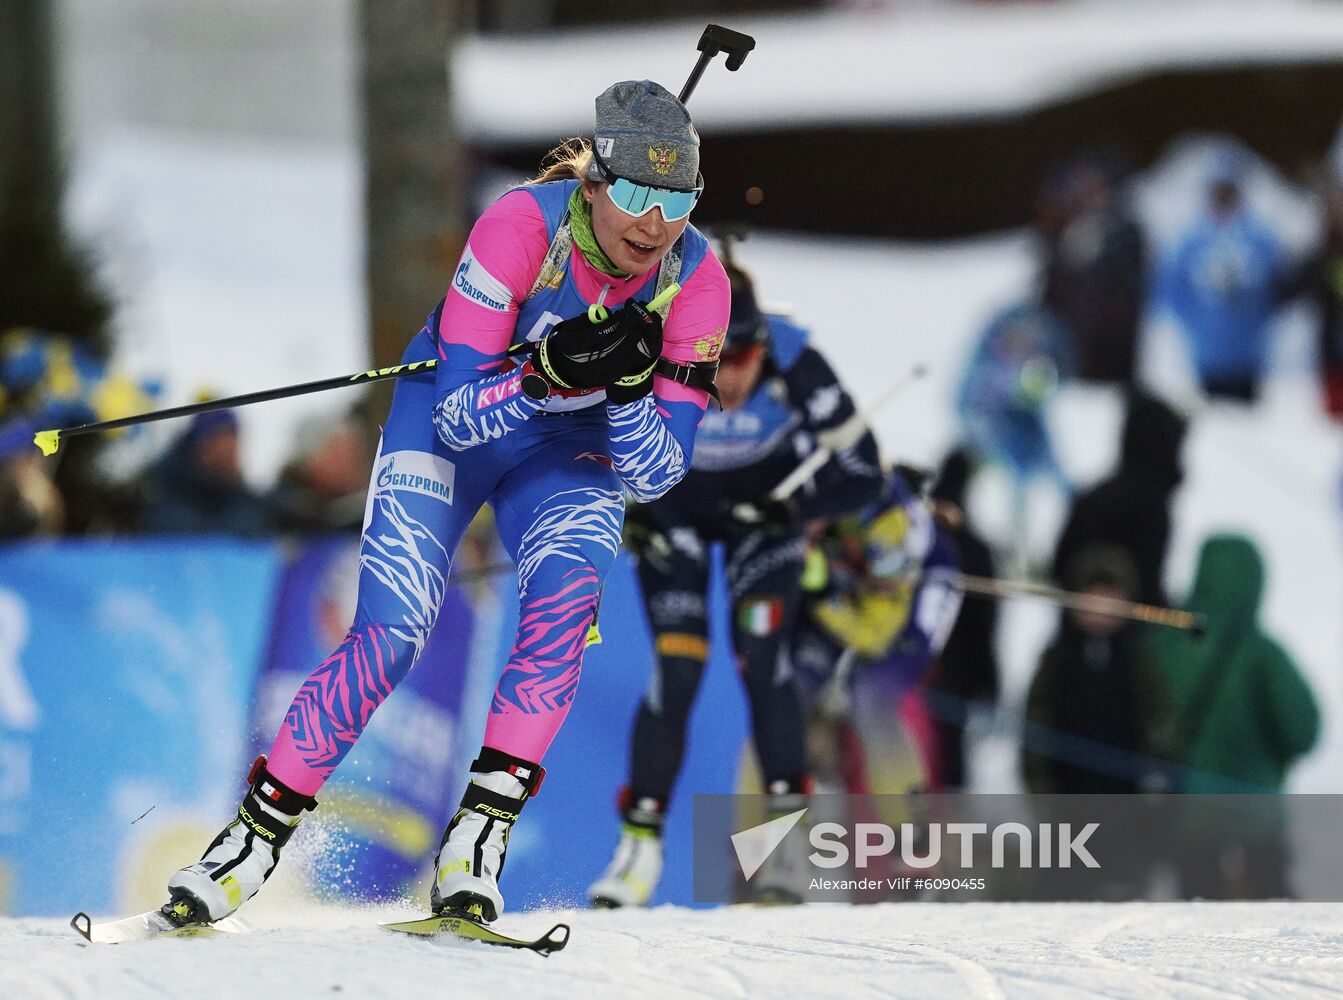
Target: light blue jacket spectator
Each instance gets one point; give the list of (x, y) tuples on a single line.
[(1221, 285)]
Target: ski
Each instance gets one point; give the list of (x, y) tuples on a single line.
[(150, 924), (472, 930), (153, 924)]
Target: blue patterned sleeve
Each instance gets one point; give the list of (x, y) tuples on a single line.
[(651, 443), (481, 411)]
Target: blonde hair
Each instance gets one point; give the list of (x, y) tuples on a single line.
[(569, 160)]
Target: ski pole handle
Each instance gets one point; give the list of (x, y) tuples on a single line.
[(598, 313), (717, 39)]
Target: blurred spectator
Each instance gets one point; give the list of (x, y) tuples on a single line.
[(1012, 375), (1131, 509), (1245, 715), (53, 380), (1223, 283), (1320, 279), (966, 674), (323, 487), (198, 488), (30, 504), (1099, 713), (1095, 267)]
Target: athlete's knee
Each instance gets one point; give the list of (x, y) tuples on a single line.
[(764, 668), (354, 680), (680, 668), (579, 529)]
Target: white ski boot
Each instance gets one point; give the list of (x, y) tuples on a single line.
[(786, 873), (242, 857), (632, 877), (470, 858)]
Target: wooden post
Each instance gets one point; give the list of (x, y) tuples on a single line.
[(414, 190), (44, 280)]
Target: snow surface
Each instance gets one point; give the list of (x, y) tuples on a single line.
[(1144, 951)]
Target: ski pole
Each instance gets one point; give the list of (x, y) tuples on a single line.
[(1096, 604), (49, 441), (810, 465)]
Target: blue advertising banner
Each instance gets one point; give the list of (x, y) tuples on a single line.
[(138, 679), (384, 809), (126, 669)]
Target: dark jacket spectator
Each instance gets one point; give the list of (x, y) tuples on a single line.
[(1131, 509), (967, 671), (1320, 279), (1095, 269), (1099, 714), (198, 488)]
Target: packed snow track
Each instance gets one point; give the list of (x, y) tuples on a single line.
[(1142, 950)]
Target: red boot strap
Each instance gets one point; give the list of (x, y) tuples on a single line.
[(530, 774)]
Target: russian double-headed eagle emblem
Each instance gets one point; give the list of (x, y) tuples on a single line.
[(708, 348), (663, 158)]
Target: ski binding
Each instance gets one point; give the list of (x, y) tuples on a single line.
[(466, 923)]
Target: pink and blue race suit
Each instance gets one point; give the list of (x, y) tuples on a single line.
[(552, 470)]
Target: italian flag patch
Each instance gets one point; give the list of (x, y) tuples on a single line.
[(760, 615)]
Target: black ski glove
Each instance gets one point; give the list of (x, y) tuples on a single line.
[(645, 539), (581, 354), (638, 380)]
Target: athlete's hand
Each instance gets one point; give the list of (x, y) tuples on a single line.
[(773, 517), (645, 540), (581, 354), (638, 379)]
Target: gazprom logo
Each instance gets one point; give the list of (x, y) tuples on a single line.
[(478, 285), (417, 472)]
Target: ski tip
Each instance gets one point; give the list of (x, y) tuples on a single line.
[(83, 923), (554, 940)]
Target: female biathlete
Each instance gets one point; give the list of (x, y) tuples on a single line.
[(555, 388)]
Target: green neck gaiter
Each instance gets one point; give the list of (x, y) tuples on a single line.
[(580, 224)]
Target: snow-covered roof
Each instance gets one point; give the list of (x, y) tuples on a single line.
[(910, 65)]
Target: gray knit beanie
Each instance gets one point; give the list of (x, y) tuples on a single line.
[(644, 134)]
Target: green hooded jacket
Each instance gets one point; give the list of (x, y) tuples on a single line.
[(1246, 712)]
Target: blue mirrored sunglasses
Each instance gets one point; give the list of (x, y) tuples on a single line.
[(640, 199)]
